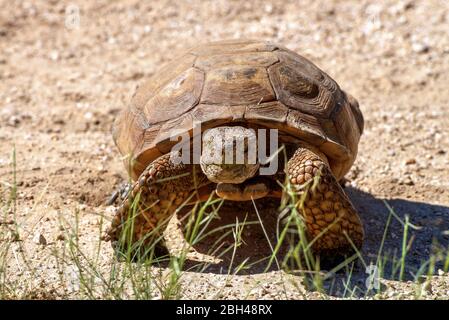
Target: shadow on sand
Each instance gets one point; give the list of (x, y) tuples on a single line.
[(430, 237)]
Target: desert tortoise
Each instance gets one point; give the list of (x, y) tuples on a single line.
[(235, 87)]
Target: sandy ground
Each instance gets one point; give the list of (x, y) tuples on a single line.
[(62, 84)]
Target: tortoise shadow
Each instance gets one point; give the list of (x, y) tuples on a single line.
[(254, 249)]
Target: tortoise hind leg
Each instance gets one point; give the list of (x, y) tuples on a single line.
[(144, 214), (326, 208)]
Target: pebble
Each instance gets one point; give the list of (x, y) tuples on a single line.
[(39, 239), (60, 237), (54, 55), (409, 182), (420, 47), (410, 161), (426, 288), (13, 121)]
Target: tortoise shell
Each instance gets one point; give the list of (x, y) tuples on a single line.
[(241, 81)]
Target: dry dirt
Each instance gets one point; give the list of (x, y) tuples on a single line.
[(61, 86)]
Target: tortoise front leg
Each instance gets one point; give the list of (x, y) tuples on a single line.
[(326, 207), (160, 190)]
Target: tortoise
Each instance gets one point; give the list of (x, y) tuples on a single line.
[(236, 87)]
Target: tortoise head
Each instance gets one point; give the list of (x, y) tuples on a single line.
[(229, 154)]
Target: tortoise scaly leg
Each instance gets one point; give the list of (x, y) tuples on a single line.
[(326, 206), (154, 197)]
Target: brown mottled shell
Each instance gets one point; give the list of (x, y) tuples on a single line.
[(253, 82)]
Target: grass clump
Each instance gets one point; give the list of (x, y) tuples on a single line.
[(136, 270)]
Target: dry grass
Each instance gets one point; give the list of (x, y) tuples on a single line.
[(128, 275)]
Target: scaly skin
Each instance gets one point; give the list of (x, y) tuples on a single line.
[(162, 187), (326, 205)]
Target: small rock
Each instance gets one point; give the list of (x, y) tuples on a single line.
[(88, 115), (407, 181), (420, 47), (40, 239), (60, 237), (426, 288), (54, 55), (410, 161), (440, 272), (13, 121)]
